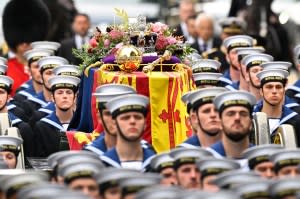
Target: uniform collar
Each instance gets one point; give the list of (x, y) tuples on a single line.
[(191, 142), (53, 120), (98, 146), (13, 119), (226, 78), (111, 157), (286, 114), (219, 148)]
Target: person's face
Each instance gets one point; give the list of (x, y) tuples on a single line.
[(265, 169), (132, 125), (273, 92), (169, 176), (193, 120), (22, 48), (186, 10), (288, 171), (112, 193), (205, 29), (236, 122), (35, 72), (207, 184), (47, 74), (64, 98), (188, 176), (232, 57), (3, 98), (191, 27), (9, 158), (209, 120), (251, 76), (109, 123), (87, 186), (81, 25)]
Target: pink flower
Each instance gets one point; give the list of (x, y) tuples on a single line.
[(115, 34), (119, 45), (161, 42), (106, 43), (93, 43), (171, 40), (159, 27)]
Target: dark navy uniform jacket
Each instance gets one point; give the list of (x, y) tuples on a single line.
[(41, 112), (26, 134), (48, 133), (34, 103)]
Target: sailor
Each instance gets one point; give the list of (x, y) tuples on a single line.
[(15, 116), (235, 111), (290, 102), (49, 45), (10, 186), (35, 84), (10, 148), (285, 188), (232, 75), (272, 88), (206, 65), (211, 167), (46, 65), (252, 64), (232, 178), (209, 129), (159, 192), (204, 80), (188, 175), (163, 164), (108, 137), (80, 176), (129, 112), (41, 190), (56, 160), (68, 70), (131, 185), (108, 181), (286, 163), (190, 112), (241, 53), (253, 190), (259, 159), (50, 131)]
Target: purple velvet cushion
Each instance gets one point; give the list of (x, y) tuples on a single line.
[(146, 59)]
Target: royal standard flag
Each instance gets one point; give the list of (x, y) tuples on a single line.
[(166, 119)]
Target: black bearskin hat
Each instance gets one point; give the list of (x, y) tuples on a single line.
[(25, 21)]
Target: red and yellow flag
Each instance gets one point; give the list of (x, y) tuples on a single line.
[(166, 119)]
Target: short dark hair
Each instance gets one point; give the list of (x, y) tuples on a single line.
[(83, 15)]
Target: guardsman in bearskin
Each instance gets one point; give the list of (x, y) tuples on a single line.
[(23, 22)]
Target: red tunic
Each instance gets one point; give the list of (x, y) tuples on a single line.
[(17, 73)]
